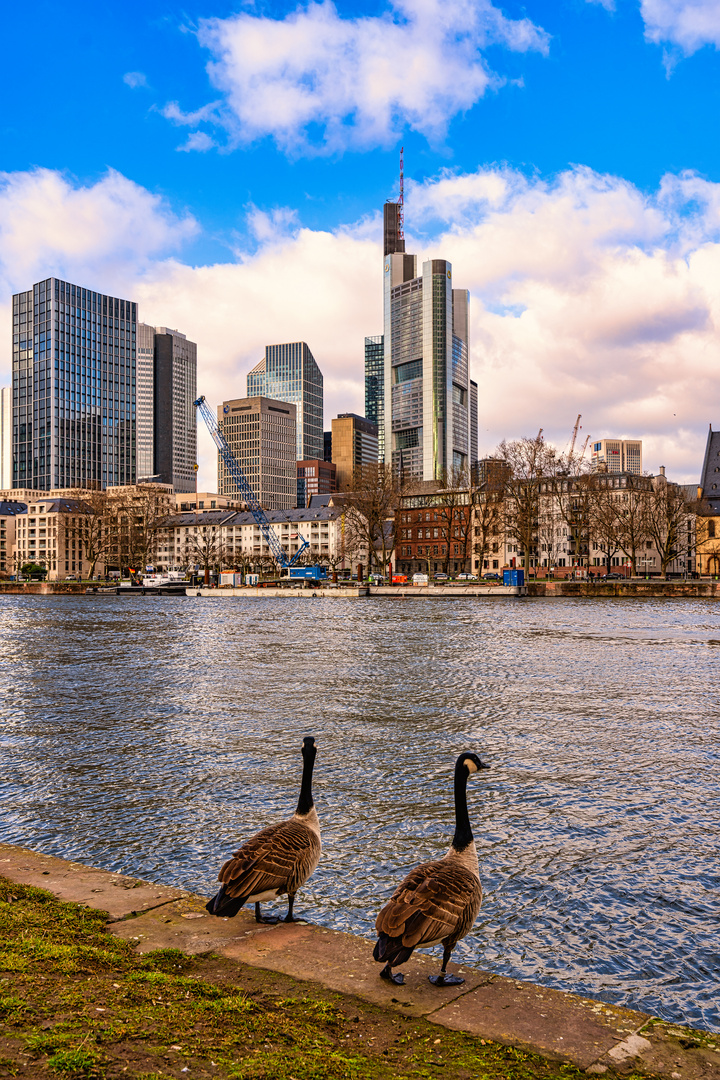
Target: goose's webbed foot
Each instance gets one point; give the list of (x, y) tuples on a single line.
[(443, 979), (386, 973), (290, 917), (271, 920)]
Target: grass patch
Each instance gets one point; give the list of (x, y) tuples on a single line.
[(77, 1002)]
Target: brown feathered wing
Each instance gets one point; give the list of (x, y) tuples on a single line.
[(280, 858), (437, 901)]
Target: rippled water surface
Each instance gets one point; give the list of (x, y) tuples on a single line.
[(151, 735)]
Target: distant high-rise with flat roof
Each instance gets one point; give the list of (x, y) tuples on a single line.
[(375, 387), (261, 434), (617, 455), (354, 444), (166, 421), (73, 383), (289, 373)]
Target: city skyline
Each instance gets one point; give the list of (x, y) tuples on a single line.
[(577, 208)]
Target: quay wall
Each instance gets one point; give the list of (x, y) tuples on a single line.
[(653, 587)]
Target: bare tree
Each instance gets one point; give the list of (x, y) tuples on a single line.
[(205, 547), (604, 518), (454, 517), (487, 507), (95, 531), (631, 516), (666, 517), (136, 518), (370, 512), (527, 462), (570, 484)]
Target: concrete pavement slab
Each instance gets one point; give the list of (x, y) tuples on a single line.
[(184, 924), (121, 896), (344, 962), (554, 1023)]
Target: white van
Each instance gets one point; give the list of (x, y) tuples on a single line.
[(420, 579)]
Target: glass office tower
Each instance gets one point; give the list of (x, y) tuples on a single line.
[(375, 387), (289, 373), (427, 385), (73, 387)]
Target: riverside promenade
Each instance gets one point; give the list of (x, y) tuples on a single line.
[(598, 1038)]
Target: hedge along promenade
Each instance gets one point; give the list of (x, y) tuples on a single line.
[(104, 975)]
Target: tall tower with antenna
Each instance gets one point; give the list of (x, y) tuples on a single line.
[(393, 219), (428, 406)]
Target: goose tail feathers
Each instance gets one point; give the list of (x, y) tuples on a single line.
[(391, 950), (224, 906)]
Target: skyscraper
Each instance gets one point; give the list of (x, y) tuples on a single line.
[(73, 387), (5, 438), (427, 385), (261, 434), (354, 444), (375, 386), (289, 373), (166, 392), (473, 422)]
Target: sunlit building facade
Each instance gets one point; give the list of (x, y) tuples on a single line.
[(290, 373), (426, 366)]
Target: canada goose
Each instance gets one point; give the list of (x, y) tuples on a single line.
[(437, 901), (276, 860)]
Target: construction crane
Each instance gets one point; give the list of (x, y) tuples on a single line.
[(254, 505), (574, 434)]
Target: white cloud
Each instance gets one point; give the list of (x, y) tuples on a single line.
[(686, 24), (316, 79), (111, 229), (587, 296), (134, 79), (197, 140)]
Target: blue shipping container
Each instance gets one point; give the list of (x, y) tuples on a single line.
[(514, 577)]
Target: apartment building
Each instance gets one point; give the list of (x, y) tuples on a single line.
[(234, 539)]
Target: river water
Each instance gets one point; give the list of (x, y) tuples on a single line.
[(152, 735)]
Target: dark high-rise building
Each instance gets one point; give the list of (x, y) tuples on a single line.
[(166, 421), (289, 373), (73, 383), (327, 445), (473, 422), (375, 385)]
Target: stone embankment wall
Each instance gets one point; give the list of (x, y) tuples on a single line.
[(671, 589), (39, 588)]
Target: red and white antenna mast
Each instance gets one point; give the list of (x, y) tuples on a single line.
[(401, 200)]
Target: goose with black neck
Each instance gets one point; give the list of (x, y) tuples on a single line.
[(277, 861), (438, 901)]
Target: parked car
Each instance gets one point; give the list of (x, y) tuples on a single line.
[(615, 577), (491, 577), (440, 577), (467, 577)]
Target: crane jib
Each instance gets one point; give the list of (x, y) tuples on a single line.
[(244, 489)]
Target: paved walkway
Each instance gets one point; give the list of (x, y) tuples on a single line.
[(594, 1036)]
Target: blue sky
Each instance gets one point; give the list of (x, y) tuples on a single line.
[(587, 129)]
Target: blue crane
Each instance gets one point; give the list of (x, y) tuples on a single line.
[(254, 505)]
